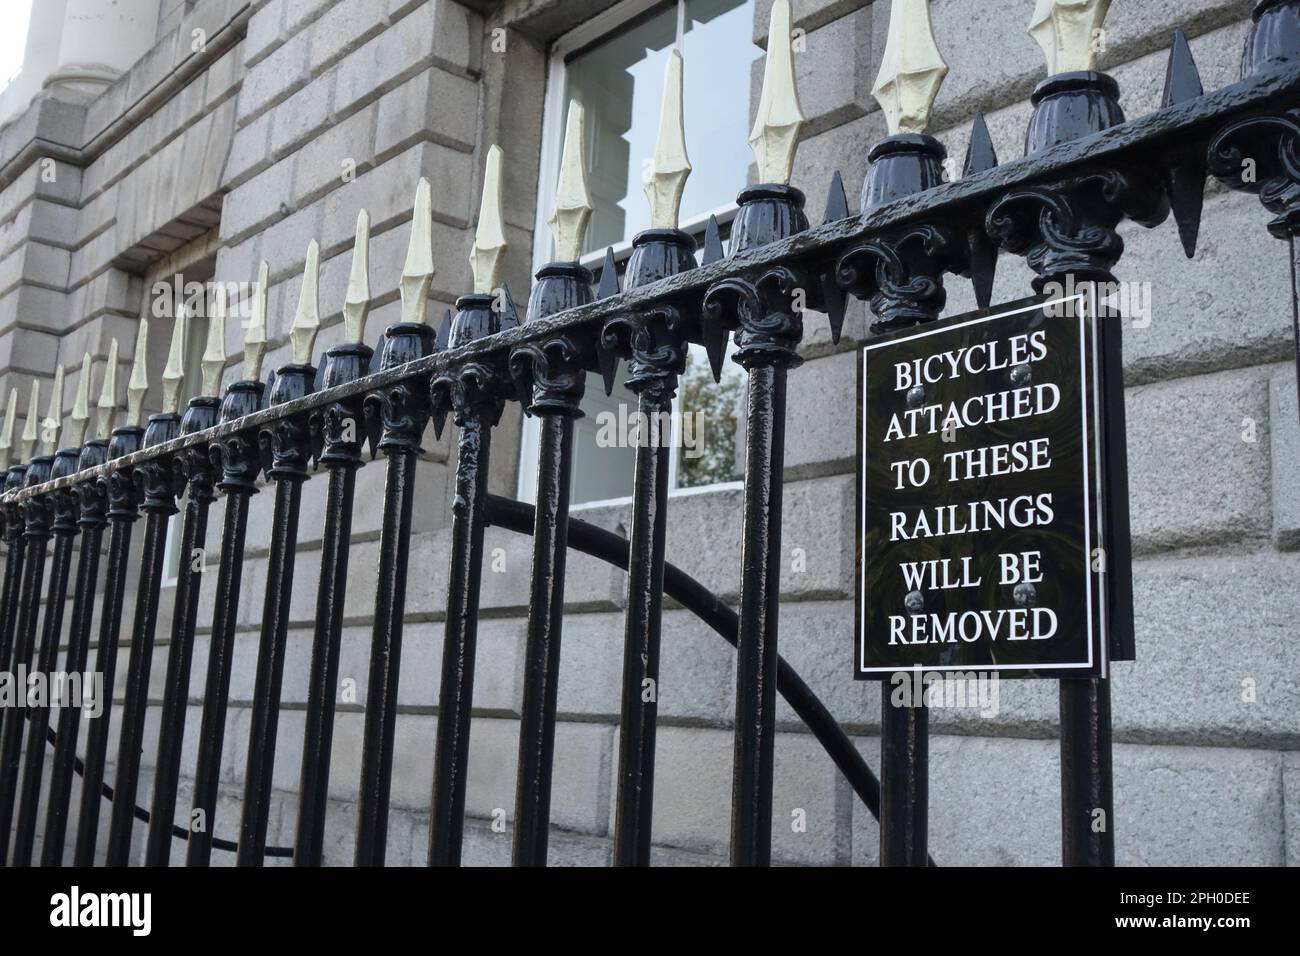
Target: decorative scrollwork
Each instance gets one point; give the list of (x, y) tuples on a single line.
[(473, 389), (92, 500), (38, 516), (123, 502), (159, 483), (339, 429), (400, 412), (1261, 155), (65, 511), (1069, 228), (240, 461), (550, 375), (288, 447), (766, 314), (901, 276), (654, 342)]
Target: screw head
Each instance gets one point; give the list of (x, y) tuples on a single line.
[(1022, 374), (914, 602), (916, 396), (1026, 595)]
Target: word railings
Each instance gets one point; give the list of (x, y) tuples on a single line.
[(979, 489)]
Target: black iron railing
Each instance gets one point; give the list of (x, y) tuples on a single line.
[(1086, 171)]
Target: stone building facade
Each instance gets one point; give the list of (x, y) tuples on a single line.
[(242, 129)]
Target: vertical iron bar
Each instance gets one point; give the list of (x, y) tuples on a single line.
[(37, 515), (904, 783), (385, 659), (542, 651), (1087, 801), (122, 514), (265, 715), (221, 651), (456, 696), (760, 592), (94, 505), (135, 701), (176, 686), (38, 718), (641, 639), (323, 678)]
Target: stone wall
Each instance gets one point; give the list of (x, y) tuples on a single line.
[(257, 140)]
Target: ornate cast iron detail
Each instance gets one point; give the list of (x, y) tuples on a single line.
[(238, 456), (768, 326), (654, 343), (196, 461), (397, 415), (160, 481), (472, 389), (550, 375), (92, 503), (1261, 155), (901, 276), (339, 427), (288, 448), (1069, 228)]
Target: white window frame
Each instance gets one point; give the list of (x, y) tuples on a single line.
[(543, 244)]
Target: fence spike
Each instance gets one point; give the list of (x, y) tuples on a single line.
[(306, 321), (568, 220), (53, 423), (1187, 178), (444, 332), (81, 405), (911, 70), (508, 313), (608, 276), (356, 303), (7, 432), (417, 273), (713, 250), (173, 376), (980, 156), (487, 257), (837, 201), (775, 135), (138, 383), (670, 167), (1067, 30), (30, 427), (107, 404), (255, 332), (213, 362)]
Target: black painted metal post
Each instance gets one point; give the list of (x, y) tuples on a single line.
[(473, 393), (404, 410), (240, 464), (92, 515), (14, 546), (38, 514), (769, 328), (342, 432), (289, 444), (201, 413), (159, 483), (550, 378), (656, 346), (123, 510), (64, 529)]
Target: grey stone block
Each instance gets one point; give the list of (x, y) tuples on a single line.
[(302, 116), (805, 14), (343, 28), (1198, 459), (821, 419), (344, 149), (250, 151), (1284, 435), (1291, 801), (265, 31), (433, 104), (268, 81), (261, 200)]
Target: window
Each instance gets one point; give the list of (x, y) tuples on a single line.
[(614, 65)]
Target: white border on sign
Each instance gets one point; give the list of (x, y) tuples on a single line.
[(1091, 479)]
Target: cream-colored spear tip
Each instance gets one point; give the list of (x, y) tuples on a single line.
[(107, 404), (488, 255), (1069, 32), (138, 384), (30, 426), (306, 321), (255, 332), (7, 432), (670, 166), (417, 273), (356, 304), (911, 70), (81, 406), (568, 220), (53, 422), (173, 376), (213, 363), (776, 126)]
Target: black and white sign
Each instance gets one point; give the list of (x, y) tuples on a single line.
[(980, 523)]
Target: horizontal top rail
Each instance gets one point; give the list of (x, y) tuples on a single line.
[(1153, 132)]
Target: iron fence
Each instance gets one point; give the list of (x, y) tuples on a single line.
[(1086, 170)]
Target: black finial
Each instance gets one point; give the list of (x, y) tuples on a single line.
[(712, 243), (608, 277), (980, 157), (444, 332), (1187, 178), (980, 154), (837, 202)]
